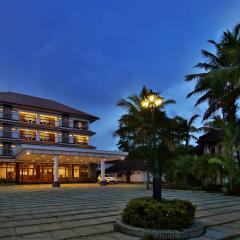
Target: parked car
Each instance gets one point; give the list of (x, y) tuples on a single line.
[(108, 179)]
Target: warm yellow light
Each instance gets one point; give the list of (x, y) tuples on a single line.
[(158, 101), (28, 153), (145, 103), (151, 98)]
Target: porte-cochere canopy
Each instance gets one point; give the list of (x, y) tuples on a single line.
[(57, 157)]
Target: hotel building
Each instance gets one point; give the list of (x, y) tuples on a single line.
[(42, 140)]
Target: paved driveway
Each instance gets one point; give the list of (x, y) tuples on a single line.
[(88, 211)]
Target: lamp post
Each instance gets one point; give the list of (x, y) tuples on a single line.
[(153, 102)]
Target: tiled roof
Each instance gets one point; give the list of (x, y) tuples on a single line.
[(211, 136), (42, 103), (127, 165)]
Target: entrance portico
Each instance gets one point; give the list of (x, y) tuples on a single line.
[(74, 160)]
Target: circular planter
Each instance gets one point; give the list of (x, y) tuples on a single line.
[(195, 230)]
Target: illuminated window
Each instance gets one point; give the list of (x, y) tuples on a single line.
[(48, 120), (28, 117), (79, 139)]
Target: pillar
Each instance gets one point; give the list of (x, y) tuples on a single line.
[(17, 172), (38, 118), (38, 136), (56, 182), (103, 172), (73, 172)]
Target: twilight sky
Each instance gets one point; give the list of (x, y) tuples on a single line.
[(89, 54)]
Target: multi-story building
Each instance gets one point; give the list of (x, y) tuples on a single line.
[(42, 140)]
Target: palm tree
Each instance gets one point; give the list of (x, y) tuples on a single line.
[(138, 129), (219, 83), (186, 129), (230, 144)]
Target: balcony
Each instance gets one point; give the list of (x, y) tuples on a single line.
[(28, 135), (47, 137), (80, 140), (28, 118), (10, 116), (80, 125), (9, 134), (48, 120), (7, 152)]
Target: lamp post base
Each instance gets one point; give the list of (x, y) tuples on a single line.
[(157, 188), (103, 183), (56, 184)]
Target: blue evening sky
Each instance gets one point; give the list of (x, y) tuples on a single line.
[(89, 54)]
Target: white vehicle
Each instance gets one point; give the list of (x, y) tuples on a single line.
[(108, 179)]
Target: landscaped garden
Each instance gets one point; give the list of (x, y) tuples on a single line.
[(149, 134)]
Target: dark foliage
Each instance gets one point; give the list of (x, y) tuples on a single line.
[(167, 214)]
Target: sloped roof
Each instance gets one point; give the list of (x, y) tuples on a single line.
[(42, 103), (127, 165), (211, 136)]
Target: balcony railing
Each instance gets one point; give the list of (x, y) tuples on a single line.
[(47, 139), (6, 152), (79, 142), (29, 137), (9, 134), (48, 122), (44, 121), (27, 119)]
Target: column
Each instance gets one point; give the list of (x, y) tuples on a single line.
[(17, 172), (38, 136), (103, 172), (56, 182), (38, 119)]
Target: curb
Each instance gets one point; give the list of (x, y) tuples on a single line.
[(196, 230)]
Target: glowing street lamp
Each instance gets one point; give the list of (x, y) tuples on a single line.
[(153, 101)]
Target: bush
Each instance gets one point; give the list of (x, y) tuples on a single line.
[(167, 214)]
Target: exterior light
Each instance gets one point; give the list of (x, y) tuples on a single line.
[(158, 101), (145, 103), (28, 153), (151, 98)]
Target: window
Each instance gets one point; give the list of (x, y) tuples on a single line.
[(79, 139), (47, 137), (28, 117), (29, 135), (48, 120)]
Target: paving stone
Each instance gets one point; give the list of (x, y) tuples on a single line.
[(27, 229), (40, 236), (63, 234), (211, 233), (87, 211)]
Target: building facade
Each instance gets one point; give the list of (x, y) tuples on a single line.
[(42, 140)]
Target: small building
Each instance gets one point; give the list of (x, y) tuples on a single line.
[(210, 143), (129, 171)]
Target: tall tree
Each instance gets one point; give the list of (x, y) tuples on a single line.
[(186, 129), (219, 83), (138, 130)]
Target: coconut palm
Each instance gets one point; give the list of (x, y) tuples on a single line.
[(219, 83), (230, 144), (186, 128)]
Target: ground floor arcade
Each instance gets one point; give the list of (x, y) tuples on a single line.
[(47, 164)]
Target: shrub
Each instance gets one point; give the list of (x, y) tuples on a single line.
[(167, 214)]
